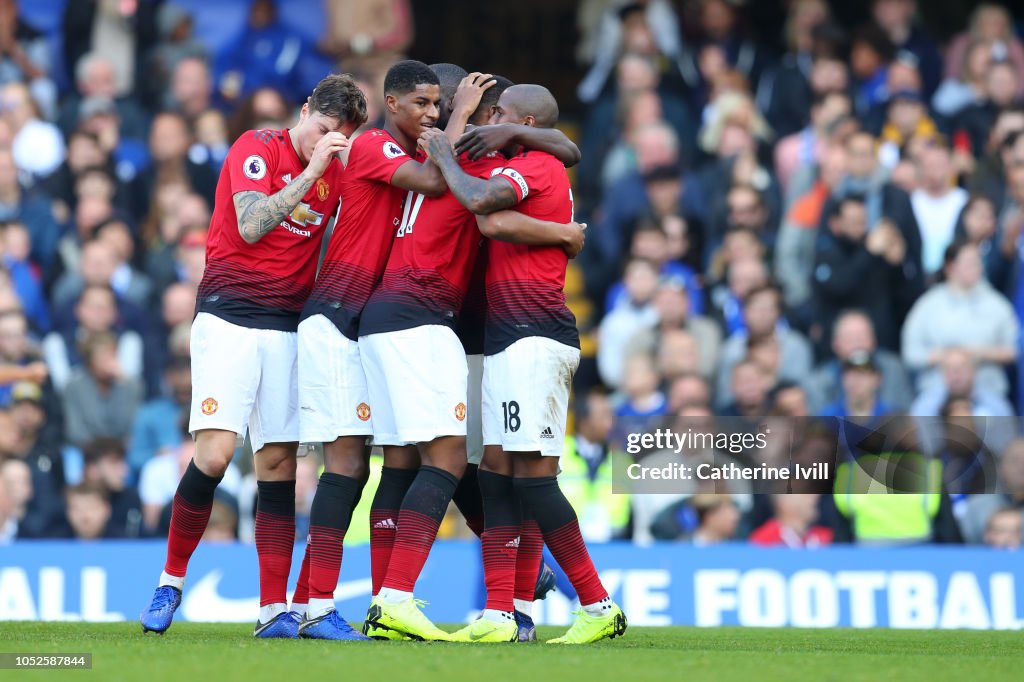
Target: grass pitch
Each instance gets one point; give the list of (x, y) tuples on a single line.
[(191, 652)]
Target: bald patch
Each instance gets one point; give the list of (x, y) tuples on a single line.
[(533, 100)]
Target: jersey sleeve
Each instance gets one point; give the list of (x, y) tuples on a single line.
[(250, 163), (524, 174), (376, 157)]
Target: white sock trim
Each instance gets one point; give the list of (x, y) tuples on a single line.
[(172, 580), (393, 596)]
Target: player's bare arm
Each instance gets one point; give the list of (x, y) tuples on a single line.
[(467, 99), (518, 228), (259, 213), (485, 139), (479, 196), (424, 178)]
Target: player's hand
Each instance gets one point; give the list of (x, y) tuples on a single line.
[(485, 139), (434, 143), (326, 147), (470, 91), (575, 236)]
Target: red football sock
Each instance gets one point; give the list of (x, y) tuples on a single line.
[(275, 538), (190, 512), (422, 510)]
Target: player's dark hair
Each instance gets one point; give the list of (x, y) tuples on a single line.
[(338, 96), (491, 94), (450, 75), (404, 76)]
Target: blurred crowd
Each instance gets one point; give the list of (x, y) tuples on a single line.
[(830, 228)]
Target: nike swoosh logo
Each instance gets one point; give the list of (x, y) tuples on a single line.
[(203, 603)]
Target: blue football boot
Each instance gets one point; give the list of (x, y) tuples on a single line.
[(330, 626), (158, 615), (284, 625)]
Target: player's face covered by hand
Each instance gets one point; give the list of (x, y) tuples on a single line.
[(417, 110), (312, 126)]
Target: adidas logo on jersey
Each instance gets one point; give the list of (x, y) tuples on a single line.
[(386, 524), (546, 433)]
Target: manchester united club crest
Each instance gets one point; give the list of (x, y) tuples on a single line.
[(322, 189), (363, 412), (460, 412), (209, 406)]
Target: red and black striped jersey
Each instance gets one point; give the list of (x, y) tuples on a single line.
[(264, 285), (525, 284), (359, 248), (431, 262)]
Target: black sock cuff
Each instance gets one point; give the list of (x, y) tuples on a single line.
[(276, 497), (333, 503), (501, 505), (440, 478), (390, 476), (197, 488)]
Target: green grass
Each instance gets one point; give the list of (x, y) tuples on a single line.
[(191, 652)]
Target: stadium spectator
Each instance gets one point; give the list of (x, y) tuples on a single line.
[(1003, 530), (586, 472), (38, 146), (962, 312), (39, 448), (957, 93), (762, 313), (212, 139), (937, 203), (677, 354), (788, 399), (29, 208), (266, 108), (265, 53), (367, 36), (100, 399), (176, 43), (88, 511), (641, 397), (15, 494), (672, 304), (1002, 90), (170, 138), (191, 91), (1010, 493), (806, 146), (105, 468), (156, 428), (688, 391), (854, 333), (978, 225), (861, 381), (748, 391), (96, 81), (718, 519), (793, 524), (8, 522), (989, 23), (959, 374), (618, 327), (223, 523), (25, 57), (860, 269), (95, 311)]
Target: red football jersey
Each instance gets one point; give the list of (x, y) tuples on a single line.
[(428, 273), (264, 285), (359, 248), (525, 283)]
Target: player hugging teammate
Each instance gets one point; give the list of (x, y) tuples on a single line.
[(381, 351)]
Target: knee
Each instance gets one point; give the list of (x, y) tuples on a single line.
[(347, 457)]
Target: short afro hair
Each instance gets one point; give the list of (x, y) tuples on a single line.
[(338, 96), (449, 75), (491, 94), (404, 76)]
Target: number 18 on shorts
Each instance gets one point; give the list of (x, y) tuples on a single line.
[(526, 395)]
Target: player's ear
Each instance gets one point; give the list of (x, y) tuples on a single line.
[(530, 121), (392, 103), (304, 112)]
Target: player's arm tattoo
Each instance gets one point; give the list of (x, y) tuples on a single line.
[(478, 195), (260, 213)]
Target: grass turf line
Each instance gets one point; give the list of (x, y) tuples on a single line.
[(227, 652)]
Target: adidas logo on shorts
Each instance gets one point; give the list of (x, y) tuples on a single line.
[(386, 524), (546, 433)]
